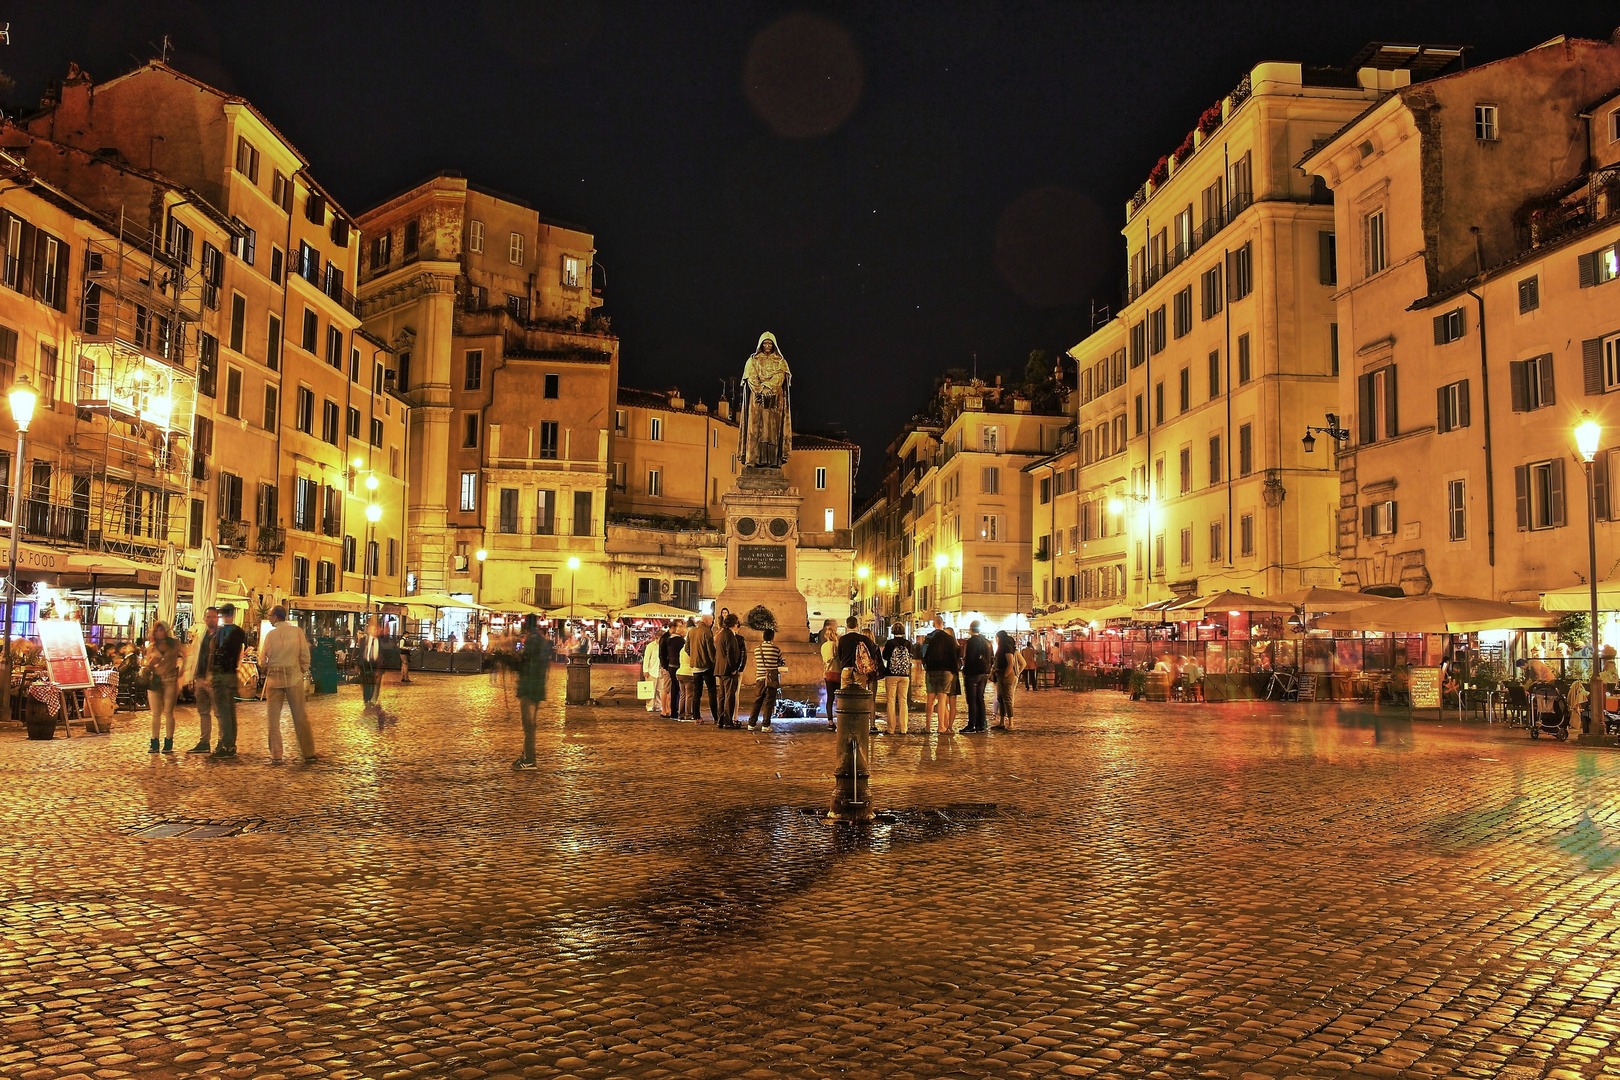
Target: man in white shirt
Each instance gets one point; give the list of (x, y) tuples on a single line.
[(284, 662)]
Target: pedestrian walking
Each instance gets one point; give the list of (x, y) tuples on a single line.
[(1008, 663), (1028, 657), (228, 644), (284, 662), (830, 669), (199, 666), (533, 664), (669, 656), (161, 667), (897, 677), (730, 658), (652, 672), (371, 666), (940, 665), (700, 643), (977, 663), (768, 677)]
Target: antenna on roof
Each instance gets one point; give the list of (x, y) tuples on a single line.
[(163, 50)]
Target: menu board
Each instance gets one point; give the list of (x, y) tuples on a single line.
[(1425, 687), (61, 641)]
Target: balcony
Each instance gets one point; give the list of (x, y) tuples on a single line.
[(270, 542), (1131, 288), (44, 519)]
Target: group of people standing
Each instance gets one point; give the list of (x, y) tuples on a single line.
[(702, 654)]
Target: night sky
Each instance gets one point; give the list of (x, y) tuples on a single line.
[(893, 188)]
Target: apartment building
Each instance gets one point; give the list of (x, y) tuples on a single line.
[(511, 376), (279, 355), (1189, 465), (1479, 323)]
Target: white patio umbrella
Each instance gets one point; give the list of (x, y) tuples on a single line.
[(206, 583), (168, 586)]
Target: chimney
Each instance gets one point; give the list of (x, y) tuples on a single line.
[(700, 407), (723, 409), (73, 103), (676, 401)]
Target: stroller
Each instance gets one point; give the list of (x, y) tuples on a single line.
[(1611, 717), (1549, 715)]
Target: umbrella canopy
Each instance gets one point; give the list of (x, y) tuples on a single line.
[(1439, 614), (653, 611), (168, 586), (1579, 598), (1054, 619), (426, 600), (342, 600), (206, 585), (1229, 601), (581, 611), (1318, 598), (1112, 611)]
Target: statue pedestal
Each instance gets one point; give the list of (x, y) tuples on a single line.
[(762, 557)]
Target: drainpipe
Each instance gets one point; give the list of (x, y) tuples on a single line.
[(1485, 405)]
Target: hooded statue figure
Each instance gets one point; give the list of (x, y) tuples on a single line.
[(765, 433)]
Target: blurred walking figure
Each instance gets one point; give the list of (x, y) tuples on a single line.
[(199, 663), (1009, 662), (1027, 655), (284, 660), (161, 666), (533, 664), (371, 666)]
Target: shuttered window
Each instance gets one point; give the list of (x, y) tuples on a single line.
[(1600, 364), (1450, 326), (1538, 490), (1531, 383), (1327, 259), (1451, 406), (1597, 267)]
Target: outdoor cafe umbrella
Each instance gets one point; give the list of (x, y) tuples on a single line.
[(1318, 598), (1437, 613), (168, 586), (1230, 601), (1579, 597), (206, 583)]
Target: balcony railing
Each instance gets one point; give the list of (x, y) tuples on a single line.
[(1133, 287)]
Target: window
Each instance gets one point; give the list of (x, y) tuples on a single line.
[(376, 432), (474, 373), (1214, 297), (1614, 126), (280, 190), (518, 306), (1456, 510), (325, 577), (469, 491), (621, 422), (508, 522), (1186, 547), (1451, 406), (1139, 412), (402, 381), (989, 480), (1246, 535), (582, 513), (1379, 519), (1239, 274), (334, 346), (1046, 490), (1158, 403), (1600, 361), (379, 374), (570, 271), (990, 578), (238, 320), (475, 237), (305, 492), (1450, 326), (300, 576), (655, 428), (233, 393), (307, 263), (1183, 306), (621, 477), (1375, 392), (553, 385), (1245, 450), (331, 421), (354, 422), (1485, 123), (514, 249), (1186, 470), (545, 513), (268, 505), (348, 554), (382, 250), (469, 430), (1186, 389), (411, 246), (312, 331), (1327, 258), (1158, 555), (994, 527), (1245, 366), (1217, 541), (1156, 335), (247, 159), (1333, 348), (1138, 347), (1531, 383), (548, 438), (1597, 267), (1529, 294), (305, 420), (47, 375), (1215, 374), (315, 208), (990, 438), (1375, 250), (272, 408), (276, 264), (207, 364), (1216, 463), (393, 555), (213, 272), (194, 526), (655, 482)]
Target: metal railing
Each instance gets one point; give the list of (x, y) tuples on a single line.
[(1133, 287)]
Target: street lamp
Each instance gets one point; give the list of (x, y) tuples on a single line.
[(23, 398), (373, 515), (573, 579), (1588, 435)]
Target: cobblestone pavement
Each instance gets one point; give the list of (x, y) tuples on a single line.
[(1164, 891)]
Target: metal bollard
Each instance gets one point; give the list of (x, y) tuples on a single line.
[(851, 790), (578, 687)]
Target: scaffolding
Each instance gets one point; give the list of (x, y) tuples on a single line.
[(122, 481)]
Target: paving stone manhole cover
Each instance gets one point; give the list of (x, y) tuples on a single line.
[(207, 828)]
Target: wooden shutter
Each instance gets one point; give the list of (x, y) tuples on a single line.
[(1600, 485), (41, 252), (1440, 423), (1544, 369), (1367, 520), (1521, 495), (1364, 396), (1519, 385), (1462, 403), (1394, 521), (1588, 268), (1391, 428), (1324, 257), (1555, 493), (60, 301), (1592, 364), (1440, 330), (25, 260)]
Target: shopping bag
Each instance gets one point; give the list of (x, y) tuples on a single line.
[(644, 690)]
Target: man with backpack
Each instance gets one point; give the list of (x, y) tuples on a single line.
[(897, 675), (978, 658)]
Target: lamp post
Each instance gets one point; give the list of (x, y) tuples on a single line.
[(22, 397), (573, 580), (1588, 435), (373, 515)]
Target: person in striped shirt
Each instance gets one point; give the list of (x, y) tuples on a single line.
[(768, 674)]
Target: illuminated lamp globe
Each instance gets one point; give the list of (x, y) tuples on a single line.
[(23, 398), (374, 513), (1588, 436)]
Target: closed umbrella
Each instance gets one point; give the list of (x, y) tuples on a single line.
[(206, 584), (168, 586), (1437, 613)]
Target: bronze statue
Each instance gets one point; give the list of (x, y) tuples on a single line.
[(765, 433)]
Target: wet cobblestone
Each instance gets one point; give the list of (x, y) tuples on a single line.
[(1163, 891)]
